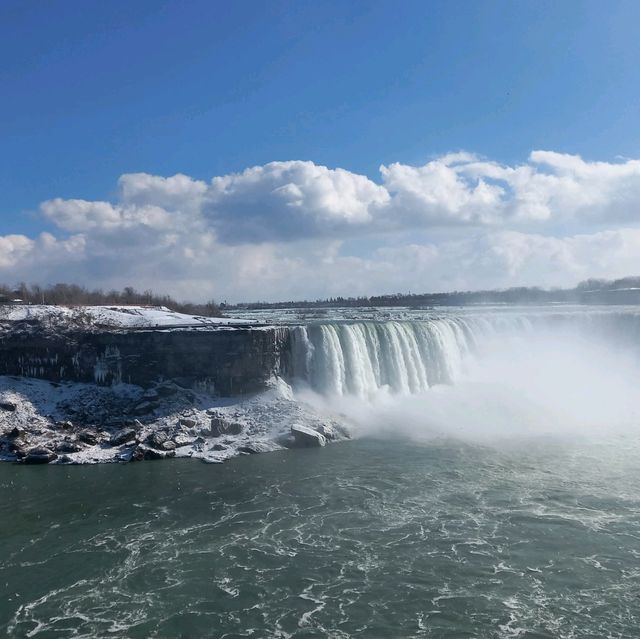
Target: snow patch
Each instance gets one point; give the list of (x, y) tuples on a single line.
[(112, 316)]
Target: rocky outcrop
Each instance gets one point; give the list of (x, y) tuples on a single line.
[(306, 437), (143, 452), (86, 424), (223, 426), (122, 437), (39, 455)]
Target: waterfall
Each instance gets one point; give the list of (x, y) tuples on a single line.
[(409, 356), (359, 358)]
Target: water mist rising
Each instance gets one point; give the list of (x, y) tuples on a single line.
[(490, 379)]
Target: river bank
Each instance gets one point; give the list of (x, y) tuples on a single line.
[(71, 423)]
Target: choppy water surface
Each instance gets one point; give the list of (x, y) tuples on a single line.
[(372, 538)]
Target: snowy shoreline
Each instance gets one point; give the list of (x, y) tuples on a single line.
[(73, 423), (81, 422)]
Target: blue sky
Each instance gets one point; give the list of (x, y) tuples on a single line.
[(92, 91)]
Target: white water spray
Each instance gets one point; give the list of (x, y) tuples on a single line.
[(362, 358), (481, 377)]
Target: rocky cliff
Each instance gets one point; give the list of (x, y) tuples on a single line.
[(230, 361)]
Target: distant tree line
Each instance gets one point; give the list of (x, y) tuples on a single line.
[(592, 291), (74, 295)]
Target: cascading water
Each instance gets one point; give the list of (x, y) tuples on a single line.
[(360, 358)]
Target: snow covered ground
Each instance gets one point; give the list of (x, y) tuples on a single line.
[(112, 316), (88, 424)]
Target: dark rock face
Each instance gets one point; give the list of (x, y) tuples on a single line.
[(17, 448), (143, 408), (39, 455), (9, 406), (122, 437), (68, 447), (157, 439), (225, 362), (166, 389), (88, 437), (220, 427)]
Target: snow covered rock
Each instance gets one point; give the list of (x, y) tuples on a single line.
[(122, 437), (68, 447), (254, 448), (88, 437), (81, 424), (328, 431), (146, 452), (221, 426), (157, 439), (306, 437)]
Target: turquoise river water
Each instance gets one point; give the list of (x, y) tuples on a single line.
[(377, 537)]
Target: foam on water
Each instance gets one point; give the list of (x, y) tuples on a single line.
[(372, 539)]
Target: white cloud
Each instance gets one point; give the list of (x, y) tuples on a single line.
[(83, 216), (560, 187), (23, 257), (290, 200), (440, 194), (13, 248), (176, 193), (276, 231)]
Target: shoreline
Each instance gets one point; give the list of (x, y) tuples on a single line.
[(44, 422)]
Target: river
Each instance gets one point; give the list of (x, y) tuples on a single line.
[(370, 538)]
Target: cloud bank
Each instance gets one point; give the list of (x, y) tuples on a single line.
[(297, 230)]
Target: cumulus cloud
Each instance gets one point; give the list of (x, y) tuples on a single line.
[(80, 215), (440, 193), (278, 230), (176, 193), (290, 200), (13, 248), (22, 256)]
